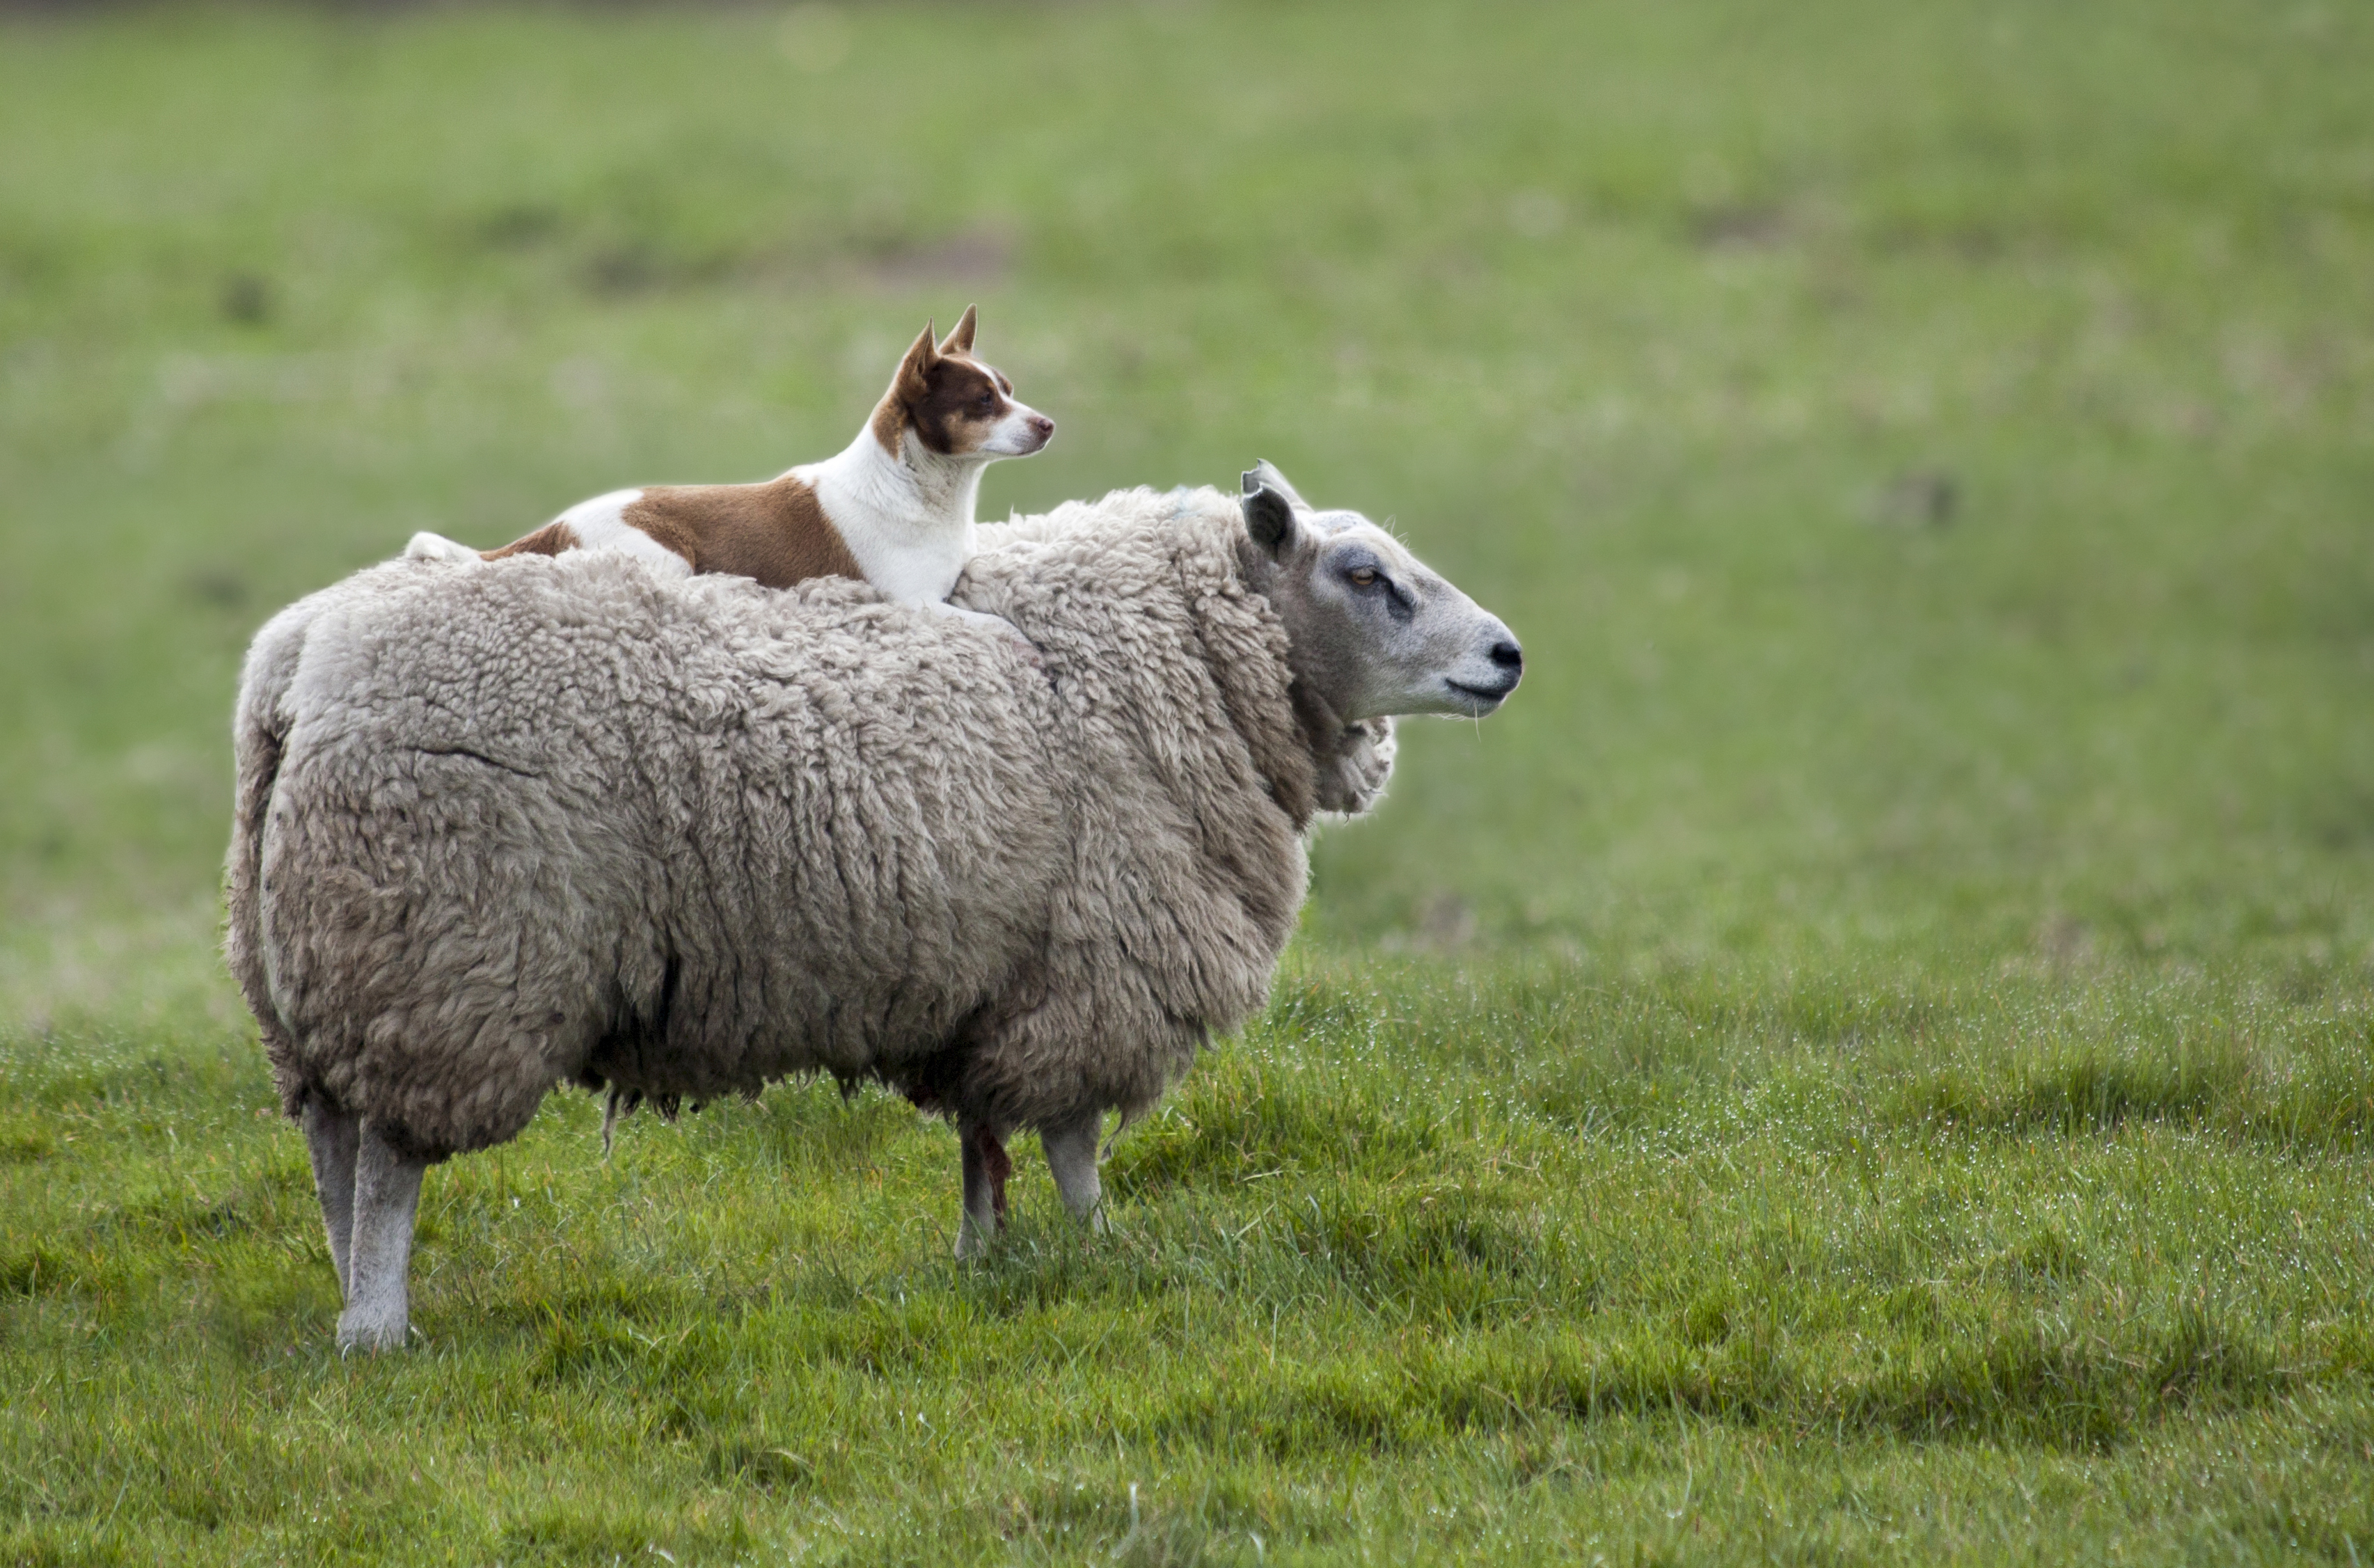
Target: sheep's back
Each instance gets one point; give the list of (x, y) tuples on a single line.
[(567, 819)]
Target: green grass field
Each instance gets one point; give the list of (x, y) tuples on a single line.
[(1866, 1059)]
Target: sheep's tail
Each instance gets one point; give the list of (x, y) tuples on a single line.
[(256, 743), (259, 727)]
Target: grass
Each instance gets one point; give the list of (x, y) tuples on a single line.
[(1867, 1059), (1494, 1268)]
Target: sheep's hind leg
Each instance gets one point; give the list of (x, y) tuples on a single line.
[(387, 1192), (1072, 1156), (986, 1167), (330, 1138)]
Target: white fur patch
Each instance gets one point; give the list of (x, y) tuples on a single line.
[(908, 542), (426, 546), (600, 524), (1014, 435)]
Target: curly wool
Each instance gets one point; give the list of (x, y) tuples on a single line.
[(501, 827)]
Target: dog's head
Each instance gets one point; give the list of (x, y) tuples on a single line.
[(953, 406)]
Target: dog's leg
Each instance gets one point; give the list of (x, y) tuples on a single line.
[(985, 1170), (987, 622), (1072, 1156), (387, 1192), (330, 1137)]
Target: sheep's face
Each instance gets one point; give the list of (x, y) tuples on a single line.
[(1375, 633)]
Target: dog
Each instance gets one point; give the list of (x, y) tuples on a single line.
[(894, 508)]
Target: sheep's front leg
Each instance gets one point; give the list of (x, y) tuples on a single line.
[(330, 1137), (985, 1170), (387, 1192), (1072, 1156)]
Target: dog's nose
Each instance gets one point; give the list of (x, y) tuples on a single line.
[(1043, 425), (1509, 656)]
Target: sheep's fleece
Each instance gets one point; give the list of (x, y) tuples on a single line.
[(568, 819)]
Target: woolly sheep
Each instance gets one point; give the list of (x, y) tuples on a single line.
[(503, 826)]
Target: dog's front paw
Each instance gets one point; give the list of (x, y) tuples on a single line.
[(999, 624)]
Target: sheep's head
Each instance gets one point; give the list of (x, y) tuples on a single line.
[(1375, 634)]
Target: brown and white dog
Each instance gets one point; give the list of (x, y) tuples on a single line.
[(894, 508)]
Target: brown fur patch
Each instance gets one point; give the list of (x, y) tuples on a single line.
[(952, 416), (550, 540), (908, 388), (775, 532), (889, 422)]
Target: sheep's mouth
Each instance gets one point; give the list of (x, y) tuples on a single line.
[(1485, 698)]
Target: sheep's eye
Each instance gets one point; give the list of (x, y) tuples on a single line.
[(1364, 577)]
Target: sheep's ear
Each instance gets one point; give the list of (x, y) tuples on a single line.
[(1269, 518), (961, 340), (1265, 473), (914, 380)]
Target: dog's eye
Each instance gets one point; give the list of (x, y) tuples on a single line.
[(989, 400), (1364, 577)]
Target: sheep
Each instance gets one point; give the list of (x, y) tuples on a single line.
[(670, 838)]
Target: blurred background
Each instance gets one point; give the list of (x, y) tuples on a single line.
[(1928, 452)]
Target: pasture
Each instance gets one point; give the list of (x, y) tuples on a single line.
[(1866, 1059)]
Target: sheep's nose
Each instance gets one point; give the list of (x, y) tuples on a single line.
[(1509, 656)]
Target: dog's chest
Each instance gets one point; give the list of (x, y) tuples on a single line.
[(912, 559)]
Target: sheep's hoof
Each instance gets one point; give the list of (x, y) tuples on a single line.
[(371, 1334)]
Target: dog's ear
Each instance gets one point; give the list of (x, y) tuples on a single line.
[(1265, 472), (961, 340), (1269, 518), (914, 382)]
